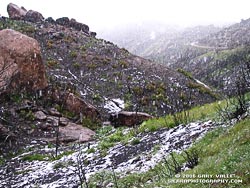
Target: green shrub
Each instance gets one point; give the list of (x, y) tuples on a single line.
[(91, 150), (73, 54), (123, 64), (76, 65), (59, 165), (135, 141), (28, 115), (35, 157), (202, 89), (90, 123), (52, 63), (186, 74)]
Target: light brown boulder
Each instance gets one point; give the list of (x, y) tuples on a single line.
[(129, 119), (21, 65), (77, 105), (74, 132), (16, 12)]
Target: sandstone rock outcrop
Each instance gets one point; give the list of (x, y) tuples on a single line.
[(21, 65), (65, 21), (16, 12), (129, 119), (33, 16), (75, 104)]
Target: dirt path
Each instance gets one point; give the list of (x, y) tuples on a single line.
[(194, 44)]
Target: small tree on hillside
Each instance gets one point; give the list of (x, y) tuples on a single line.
[(239, 104)]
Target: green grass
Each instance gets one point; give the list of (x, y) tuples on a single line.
[(225, 151), (109, 137), (223, 54), (35, 157), (18, 25), (198, 113)]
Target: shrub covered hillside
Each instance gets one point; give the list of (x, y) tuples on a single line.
[(215, 56), (99, 71)]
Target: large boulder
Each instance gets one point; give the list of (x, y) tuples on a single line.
[(21, 65), (74, 132), (92, 34), (34, 16), (16, 12), (129, 119), (50, 20), (65, 21), (79, 26), (77, 105)]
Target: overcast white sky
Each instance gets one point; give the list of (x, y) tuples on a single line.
[(99, 14)]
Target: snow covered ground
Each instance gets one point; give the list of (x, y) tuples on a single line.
[(128, 158)]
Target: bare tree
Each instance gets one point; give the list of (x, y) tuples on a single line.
[(80, 171), (237, 105)]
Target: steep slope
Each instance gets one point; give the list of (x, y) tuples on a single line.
[(102, 73), (230, 37), (226, 60), (218, 57)]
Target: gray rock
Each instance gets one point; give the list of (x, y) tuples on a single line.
[(39, 115), (16, 12), (63, 121), (54, 112), (33, 16)]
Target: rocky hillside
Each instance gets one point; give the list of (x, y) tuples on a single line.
[(226, 60), (100, 72), (55, 73), (230, 37), (215, 56)]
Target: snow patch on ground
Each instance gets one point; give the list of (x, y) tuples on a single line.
[(199, 82), (114, 105)]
